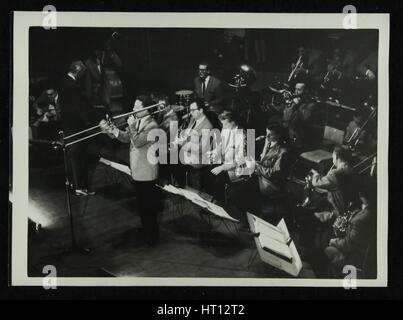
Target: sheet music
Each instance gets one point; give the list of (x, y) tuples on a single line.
[(219, 211), (198, 200), (117, 166)]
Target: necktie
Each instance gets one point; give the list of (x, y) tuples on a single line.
[(203, 87), (193, 126), (138, 125)]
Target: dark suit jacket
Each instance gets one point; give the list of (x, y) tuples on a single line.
[(359, 233), (272, 170), (213, 95), (340, 185), (74, 109), (370, 62), (93, 80)]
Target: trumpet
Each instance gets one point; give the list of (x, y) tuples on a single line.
[(309, 188), (298, 66), (161, 108)]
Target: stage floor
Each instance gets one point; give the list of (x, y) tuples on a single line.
[(190, 244)]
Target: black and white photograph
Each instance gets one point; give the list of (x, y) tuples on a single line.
[(191, 149)]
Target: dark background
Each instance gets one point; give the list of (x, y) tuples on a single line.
[(395, 287), (166, 60)]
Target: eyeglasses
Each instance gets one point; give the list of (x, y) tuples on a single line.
[(191, 110)]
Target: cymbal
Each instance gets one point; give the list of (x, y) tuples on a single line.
[(236, 85), (184, 92), (178, 108)]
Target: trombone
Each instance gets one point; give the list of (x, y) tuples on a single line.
[(353, 141), (128, 114)]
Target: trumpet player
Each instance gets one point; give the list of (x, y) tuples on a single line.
[(341, 186), (143, 171), (339, 182)]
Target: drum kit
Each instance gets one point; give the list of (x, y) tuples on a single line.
[(182, 108)]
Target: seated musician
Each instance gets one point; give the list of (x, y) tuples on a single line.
[(45, 121), (192, 142), (354, 235), (359, 139), (268, 176), (144, 171), (270, 169), (228, 155), (340, 184), (298, 118)]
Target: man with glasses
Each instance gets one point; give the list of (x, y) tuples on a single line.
[(193, 142), (208, 88)]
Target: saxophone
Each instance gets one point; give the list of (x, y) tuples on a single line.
[(342, 222)]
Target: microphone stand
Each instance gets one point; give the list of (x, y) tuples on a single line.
[(74, 246)]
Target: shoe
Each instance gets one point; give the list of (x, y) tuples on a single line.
[(84, 192)]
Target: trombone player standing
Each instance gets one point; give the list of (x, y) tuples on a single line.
[(143, 172)]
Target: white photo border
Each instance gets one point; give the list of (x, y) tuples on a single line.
[(19, 227)]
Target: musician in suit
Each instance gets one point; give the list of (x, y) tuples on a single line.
[(45, 121), (208, 88), (193, 143), (94, 77), (351, 247), (144, 170), (75, 118), (227, 156), (268, 176), (300, 121), (271, 169), (298, 118), (340, 183), (368, 67), (341, 186)]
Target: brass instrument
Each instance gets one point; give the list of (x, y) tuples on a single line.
[(342, 222), (309, 188), (354, 140), (333, 74), (297, 67), (161, 108)]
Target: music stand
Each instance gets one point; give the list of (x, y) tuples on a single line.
[(74, 245), (209, 208), (274, 245)]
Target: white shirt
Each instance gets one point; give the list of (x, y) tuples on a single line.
[(71, 76), (207, 80)]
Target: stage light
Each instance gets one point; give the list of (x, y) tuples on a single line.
[(35, 213)]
